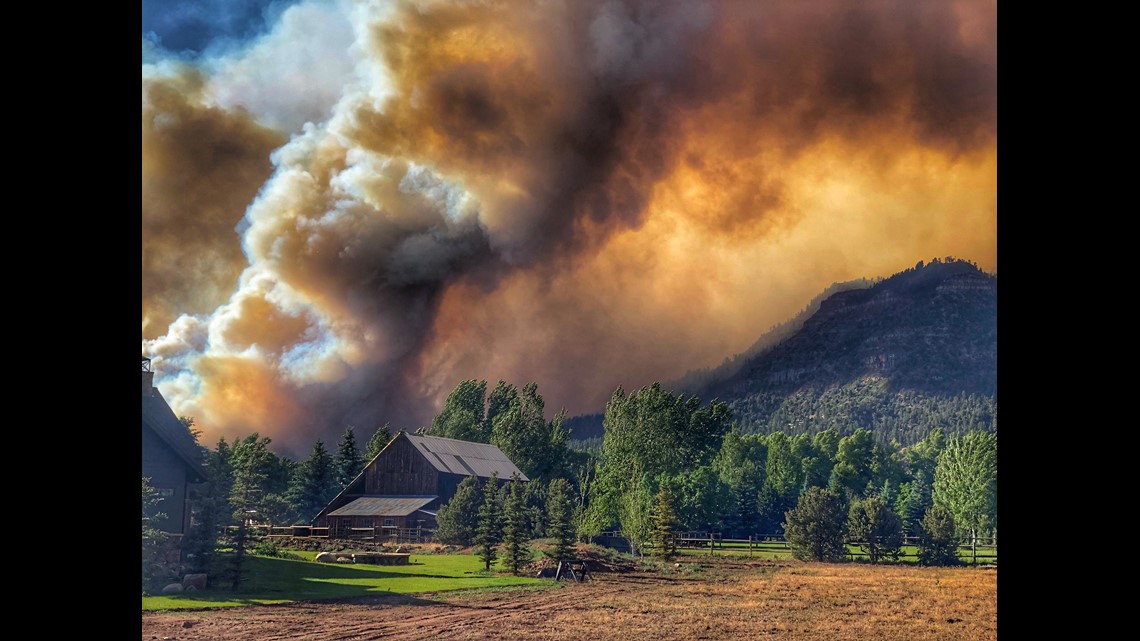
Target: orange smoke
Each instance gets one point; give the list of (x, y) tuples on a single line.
[(590, 194)]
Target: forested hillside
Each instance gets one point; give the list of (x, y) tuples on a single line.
[(911, 353)]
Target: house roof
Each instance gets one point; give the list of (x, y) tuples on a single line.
[(158, 416), (383, 506), (464, 457)]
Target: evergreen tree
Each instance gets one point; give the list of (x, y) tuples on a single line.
[(816, 527), (314, 483), (534, 505), (702, 501), (877, 527), (771, 507), (516, 532), (349, 461), (939, 544), (211, 511), (740, 466), (663, 521), (251, 462), (378, 441), (458, 519), (489, 533), (912, 504), (559, 506)]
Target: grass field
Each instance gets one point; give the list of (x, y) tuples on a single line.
[(270, 580), (722, 597)]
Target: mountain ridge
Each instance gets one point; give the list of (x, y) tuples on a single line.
[(900, 356)]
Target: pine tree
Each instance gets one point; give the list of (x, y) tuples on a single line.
[(349, 462), (816, 527), (939, 544), (663, 521), (250, 460), (458, 519), (489, 533), (877, 527), (516, 530), (378, 441), (917, 502), (212, 511), (559, 527), (314, 483)]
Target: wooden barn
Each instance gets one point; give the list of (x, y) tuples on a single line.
[(171, 457), (404, 485)]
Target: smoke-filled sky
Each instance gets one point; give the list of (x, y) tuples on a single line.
[(349, 207)]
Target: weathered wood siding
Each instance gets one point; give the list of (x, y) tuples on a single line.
[(167, 472), (401, 469)]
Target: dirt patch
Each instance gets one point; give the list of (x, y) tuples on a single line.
[(697, 600)]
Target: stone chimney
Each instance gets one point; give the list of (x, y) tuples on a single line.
[(147, 377)]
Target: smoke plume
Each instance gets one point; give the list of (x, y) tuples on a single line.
[(583, 194)]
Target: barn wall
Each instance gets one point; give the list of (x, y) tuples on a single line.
[(166, 471), (338, 522), (400, 469)]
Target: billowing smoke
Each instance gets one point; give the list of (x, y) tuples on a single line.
[(583, 194)]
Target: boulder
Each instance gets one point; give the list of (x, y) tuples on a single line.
[(325, 557), (172, 588), (196, 581)]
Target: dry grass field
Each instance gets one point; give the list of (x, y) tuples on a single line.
[(703, 599)]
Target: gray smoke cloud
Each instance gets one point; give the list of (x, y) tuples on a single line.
[(583, 194)]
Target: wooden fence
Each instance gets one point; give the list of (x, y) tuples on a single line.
[(976, 551), (379, 534)]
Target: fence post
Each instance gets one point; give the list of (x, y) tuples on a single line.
[(750, 546)]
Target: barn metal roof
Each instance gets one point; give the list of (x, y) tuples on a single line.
[(464, 457), (383, 506)]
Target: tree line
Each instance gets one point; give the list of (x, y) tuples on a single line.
[(668, 454), (665, 461)]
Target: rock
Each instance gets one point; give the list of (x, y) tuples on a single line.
[(172, 588), (187, 624), (401, 550), (196, 581), (325, 557), (343, 559), (676, 565)]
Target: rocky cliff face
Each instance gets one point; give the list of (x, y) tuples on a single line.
[(915, 351)]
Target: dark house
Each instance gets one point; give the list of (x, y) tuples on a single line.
[(408, 480), (170, 455)]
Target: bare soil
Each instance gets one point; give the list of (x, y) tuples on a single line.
[(700, 600)]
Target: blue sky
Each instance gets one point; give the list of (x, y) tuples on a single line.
[(192, 25)]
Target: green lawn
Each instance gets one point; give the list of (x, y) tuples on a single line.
[(282, 581)]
